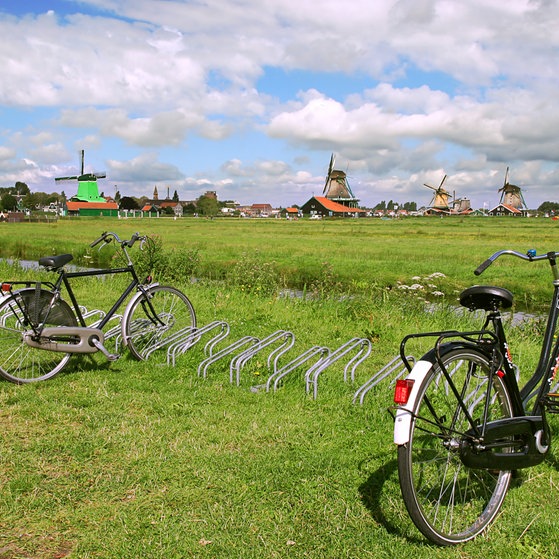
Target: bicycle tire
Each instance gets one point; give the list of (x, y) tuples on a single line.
[(20, 363), (448, 502), (147, 335)]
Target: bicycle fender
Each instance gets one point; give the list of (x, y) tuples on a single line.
[(402, 420), (129, 307)]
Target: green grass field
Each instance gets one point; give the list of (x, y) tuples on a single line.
[(129, 459)]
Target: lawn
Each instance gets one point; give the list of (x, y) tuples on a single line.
[(144, 459)]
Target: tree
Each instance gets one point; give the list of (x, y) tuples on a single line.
[(21, 188), (175, 197), (207, 205), (548, 207), (9, 202), (128, 203)]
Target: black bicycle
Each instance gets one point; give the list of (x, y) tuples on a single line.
[(463, 425), (40, 331)]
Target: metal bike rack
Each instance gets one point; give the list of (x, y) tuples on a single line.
[(193, 336), (276, 376), (395, 369), (285, 340), (364, 347), (237, 345)]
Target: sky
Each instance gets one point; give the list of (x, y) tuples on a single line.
[(249, 98)]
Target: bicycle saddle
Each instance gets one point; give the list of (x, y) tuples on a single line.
[(486, 297), (55, 262)]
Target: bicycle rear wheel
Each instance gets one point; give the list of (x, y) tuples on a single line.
[(447, 501), (150, 324), (19, 362)]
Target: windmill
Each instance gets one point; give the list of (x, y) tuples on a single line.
[(511, 195), (439, 202), (336, 187), (87, 184)]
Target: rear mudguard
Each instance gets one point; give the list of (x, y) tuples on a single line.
[(404, 413)]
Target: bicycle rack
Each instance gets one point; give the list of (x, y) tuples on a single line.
[(180, 346), (238, 344), (238, 362), (180, 335), (365, 347), (396, 368), (276, 376)]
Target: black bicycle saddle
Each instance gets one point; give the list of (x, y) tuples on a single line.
[(55, 262), (486, 297)]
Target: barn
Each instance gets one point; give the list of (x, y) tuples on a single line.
[(322, 206)]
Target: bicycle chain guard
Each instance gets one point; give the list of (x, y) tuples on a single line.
[(65, 339)]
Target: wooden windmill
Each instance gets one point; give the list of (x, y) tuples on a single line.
[(87, 184), (336, 187), (511, 195), (440, 200)]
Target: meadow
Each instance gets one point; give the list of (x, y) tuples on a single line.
[(144, 459)]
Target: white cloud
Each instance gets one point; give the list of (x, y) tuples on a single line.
[(433, 87)]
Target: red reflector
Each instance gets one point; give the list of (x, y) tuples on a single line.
[(6, 287), (402, 391)]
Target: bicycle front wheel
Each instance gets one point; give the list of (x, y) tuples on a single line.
[(19, 362), (447, 501), (154, 321)]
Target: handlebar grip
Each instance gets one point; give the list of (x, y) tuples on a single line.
[(483, 266), (99, 240), (132, 240)]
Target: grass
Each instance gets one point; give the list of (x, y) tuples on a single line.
[(146, 460)]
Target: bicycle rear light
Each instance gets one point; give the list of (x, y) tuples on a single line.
[(402, 391), (6, 287)]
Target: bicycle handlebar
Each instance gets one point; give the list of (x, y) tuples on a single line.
[(530, 256), (108, 236)]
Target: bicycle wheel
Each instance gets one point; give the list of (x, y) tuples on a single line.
[(447, 501), (150, 324), (19, 362)]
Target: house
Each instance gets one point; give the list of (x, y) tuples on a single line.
[(320, 205), (150, 210), (78, 208), (506, 209), (261, 210), (291, 213)]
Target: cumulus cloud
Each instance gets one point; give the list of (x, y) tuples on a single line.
[(430, 87)]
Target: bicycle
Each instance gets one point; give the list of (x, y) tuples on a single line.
[(463, 425), (40, 331)]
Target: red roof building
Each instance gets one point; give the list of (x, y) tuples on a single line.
[(320, 205)]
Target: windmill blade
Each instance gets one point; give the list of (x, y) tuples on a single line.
[(66, 178), (100, 175), (330, 167), (82, 153), (429, 186), (506, 177), (442, 182)]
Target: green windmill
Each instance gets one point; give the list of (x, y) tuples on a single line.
[(87, 185)]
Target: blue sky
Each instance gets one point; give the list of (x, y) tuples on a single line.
[(250, 98)]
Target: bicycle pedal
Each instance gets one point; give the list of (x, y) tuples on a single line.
[(104, 351)]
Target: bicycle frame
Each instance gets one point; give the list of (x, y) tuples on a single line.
[(65, 277)]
